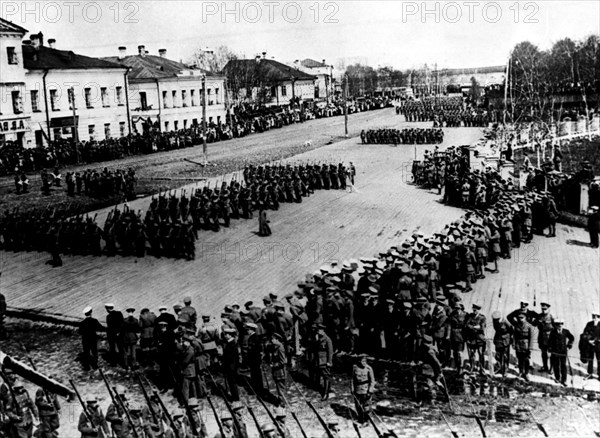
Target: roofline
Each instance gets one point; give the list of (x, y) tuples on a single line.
[(133, 80), (42, 69), (19, 28)]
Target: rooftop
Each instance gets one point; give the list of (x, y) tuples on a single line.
[(153, 67), (311, 63), (43, 58), (8, 27), (269, 69)]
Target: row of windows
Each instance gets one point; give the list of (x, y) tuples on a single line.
[(58, 132), (177, 126), (184, 99), (17, 99)]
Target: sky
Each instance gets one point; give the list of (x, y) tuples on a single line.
[(401, 34)]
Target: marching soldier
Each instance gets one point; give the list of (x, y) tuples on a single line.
[(363, 385), (227, 424), (48, 407), (119, 424), (99, 427), (25, 409)]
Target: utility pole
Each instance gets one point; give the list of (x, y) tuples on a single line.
[(75, 133), (204, 152), (346, 105)]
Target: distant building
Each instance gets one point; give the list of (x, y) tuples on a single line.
[(462, 76), (169, 93), (268, 82), (15, 120), (57, 80), (324, 88)]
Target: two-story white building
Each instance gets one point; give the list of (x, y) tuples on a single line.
[(268, 81), (323, 72), (65, 89), (169, 94), (15, 123)]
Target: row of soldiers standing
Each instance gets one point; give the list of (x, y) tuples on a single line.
[(404, 136)]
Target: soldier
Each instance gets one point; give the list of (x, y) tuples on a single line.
[(114, 325), (322, 360), (88, 329), (48, 407), (530, 315), (276, 358), (25, 409), (475, 336), (188, 316), (147, 323), (117, 418), (363, 386), (560, 341), (182, 424), (523, 335), (129, 334), (333, 428), (502, 340), (197, 419), (591, 334), (99, 427), (238, 412), (427, 355), (2, 313), (187, 363), (545, 325), (457, 340), (230, 361), (227, 425)]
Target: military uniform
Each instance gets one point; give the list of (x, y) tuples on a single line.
[(545, 325), (475, 324), (523, 336), (363, 385), (502, 341)]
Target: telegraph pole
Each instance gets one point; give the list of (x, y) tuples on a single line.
[(346, 105), (75, 133), (204, 151)]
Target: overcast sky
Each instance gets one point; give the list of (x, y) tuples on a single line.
[(398, 33)]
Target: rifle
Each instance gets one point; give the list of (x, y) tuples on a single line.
[(256, 423), (264, 405), (18, 409), (377, 431), (166, 413), (148, 403), (212, 406), (236, 422), (83, 406), (127, 414), (295, 417), (354, 425), (30, 360), (452, 431), (310, 405)]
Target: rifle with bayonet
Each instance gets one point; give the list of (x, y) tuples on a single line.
[(319, 417), (127, 414), (166, 414), (83, 405), (148, 402), (217, 419), (236, 422)]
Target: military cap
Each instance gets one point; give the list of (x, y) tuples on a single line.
[(229, 330), (545, 305), (134, 406), (87, 310), (177, 307), (266, 299), (496, 315), (177, 413), (524, 301), (130, 309), (228, 309), (279, 413), (205, 318), (248, 304), (163, 323), (226, 315), (596, 313), (332, 421), (162, 308), (237, 405), (373, 290), (278, 336), (187, 300), (427, 339), (273, 296), (193, 402), (559, 321), (235, 306), (390, 301), (109, 305), (267, 427), (91, 398), (251, 326), (407, 305), (477, 306)]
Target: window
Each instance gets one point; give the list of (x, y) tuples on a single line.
[(54, 100), (210, 120), (35, 101), (119, 95), (12, 55), (143, 101), (183, 98), (217, 95), (209, 96), (193, 97), (107, 130), (122, 129), (88, 98), (167, 126), (174, 97), (91, 131), (104, 97), (176, 123), (57, 133), (284, 90), (185, 124), (17, 102), (71, 96), (202, 96), (164, 98)]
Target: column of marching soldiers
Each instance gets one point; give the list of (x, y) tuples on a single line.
[(170, 226), (444, 111), (404, 307), (404, 136)]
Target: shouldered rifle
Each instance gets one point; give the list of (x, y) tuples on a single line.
[(30, 360), (295, 417), (148, 402), (310, 405), (236, 422), (127, 414), (452, 431), (166, 413), (218, 420), (257, 424), (264, 405), (17, 406), (110, 393), (369, 417), (83, 406)]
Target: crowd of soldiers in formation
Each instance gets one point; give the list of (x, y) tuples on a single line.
[(244, 120), (171, 223), (443, 111), (402, 136)]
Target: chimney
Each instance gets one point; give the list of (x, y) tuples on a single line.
[(257, 59), (35, 40), (264, 55), (41, 35), (142, 51), (162, 53), (122, 52), (324, 62), (52, 43)]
